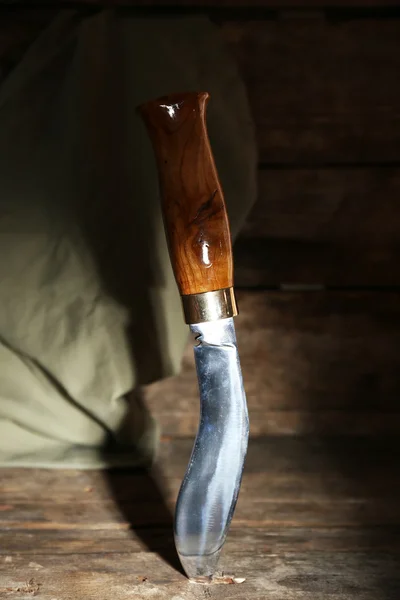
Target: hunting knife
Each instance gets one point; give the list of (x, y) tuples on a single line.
[(199, 241)]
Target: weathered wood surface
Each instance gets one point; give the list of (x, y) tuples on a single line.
[(289, 577), (328, 226), (312, 363), (316, 518), (339, 206), (271, 538), (336, 226), (264, 262), (322, 91)]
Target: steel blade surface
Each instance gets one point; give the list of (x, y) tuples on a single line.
[(210, 488)]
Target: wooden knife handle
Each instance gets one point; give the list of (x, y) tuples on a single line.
[(195, 216)]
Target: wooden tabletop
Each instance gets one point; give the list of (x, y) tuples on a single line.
[(317, 518)]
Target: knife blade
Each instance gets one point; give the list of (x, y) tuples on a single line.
[(199, 242)]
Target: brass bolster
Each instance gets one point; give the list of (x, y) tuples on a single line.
[(209, 306)]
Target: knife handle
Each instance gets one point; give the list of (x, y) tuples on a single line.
[(194, 211)]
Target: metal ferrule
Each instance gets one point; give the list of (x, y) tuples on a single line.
[(209, 306)]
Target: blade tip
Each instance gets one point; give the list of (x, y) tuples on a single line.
[(201, 579)]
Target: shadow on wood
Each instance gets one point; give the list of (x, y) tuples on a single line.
[(148, 515), (358, 475), (337, 500), (140, 494)]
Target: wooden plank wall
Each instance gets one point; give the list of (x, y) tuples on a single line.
[(324, 87), (313, 363), (325, 94)]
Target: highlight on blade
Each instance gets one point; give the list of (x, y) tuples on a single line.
[(210, 488)]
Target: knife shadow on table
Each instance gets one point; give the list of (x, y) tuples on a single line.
[(148, 516), (141, 497), (120, 226), (138, 493)]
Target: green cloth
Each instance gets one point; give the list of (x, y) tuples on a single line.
[(89, 309)]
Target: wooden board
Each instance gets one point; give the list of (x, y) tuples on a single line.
[(338, 206), (300, 575), (263, 262), (322, 91), (114, 541), (328, 226), (312, 363), (316, 518)]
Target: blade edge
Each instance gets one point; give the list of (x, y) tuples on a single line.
[(210, 488)]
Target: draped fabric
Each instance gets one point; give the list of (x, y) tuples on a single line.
[(89, 310)]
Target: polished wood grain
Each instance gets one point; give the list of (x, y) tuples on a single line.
[(194, 209)]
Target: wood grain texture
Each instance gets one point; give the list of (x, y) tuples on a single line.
[(193, 205), (301, 575), (270, 262), (316, 518), (289, 577), (321, 91), (273, 538), (312, 363), (269, 464), (336, 226), (337, 205)]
